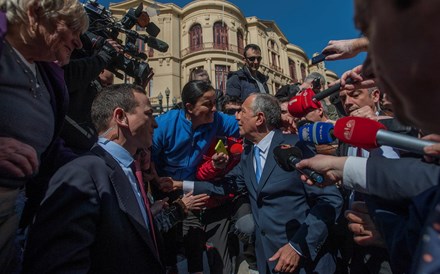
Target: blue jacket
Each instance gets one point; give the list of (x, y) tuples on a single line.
[(241, 84), (178, 149)]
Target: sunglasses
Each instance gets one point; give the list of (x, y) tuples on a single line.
[(253, 58)]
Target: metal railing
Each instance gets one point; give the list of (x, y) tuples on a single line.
[(210, 46)]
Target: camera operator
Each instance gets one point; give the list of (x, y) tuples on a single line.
[(85, 77)]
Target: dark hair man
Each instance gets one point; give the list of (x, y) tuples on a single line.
[(93, 217), (247, 80)]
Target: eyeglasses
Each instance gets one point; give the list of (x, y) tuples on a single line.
[(231, 111), (253, 58)]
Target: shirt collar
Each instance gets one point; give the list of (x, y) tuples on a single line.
[(264, 143), (118, 152)]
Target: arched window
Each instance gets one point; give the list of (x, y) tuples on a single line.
[(274, 56), (195, 38), (292, 70), (240, 42), (303, 71), (220, 36)]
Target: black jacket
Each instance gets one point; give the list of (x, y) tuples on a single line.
[(240, 83)]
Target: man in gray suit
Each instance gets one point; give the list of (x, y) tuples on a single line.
[(292, 219)]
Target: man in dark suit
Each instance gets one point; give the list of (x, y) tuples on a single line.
[(93, 218), (292, 219)]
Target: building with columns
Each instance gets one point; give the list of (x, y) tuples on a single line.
[(211, 34)]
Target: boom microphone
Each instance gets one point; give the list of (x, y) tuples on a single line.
[(318, 133), (367, 133), (287, 157), (331, 90)]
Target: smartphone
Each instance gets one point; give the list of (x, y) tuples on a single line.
[(318, 58), (220, 147)]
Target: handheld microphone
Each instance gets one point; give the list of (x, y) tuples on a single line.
[(236, 148), (287, 157), (331, 90), (301, 104), (318, 133), (367, 133)]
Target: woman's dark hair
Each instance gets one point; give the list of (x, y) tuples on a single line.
[(193, 90)]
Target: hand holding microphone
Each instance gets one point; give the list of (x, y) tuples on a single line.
[(330, 167), (287, 157), (366, 133)]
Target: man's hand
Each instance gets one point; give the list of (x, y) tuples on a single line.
[(17, 159), (433, 150), (194, 202), (288, 259), (165, 184), (360, 82), (364, 112), (344, 49), (158, 206), (362, 226), (177, 185), (331, 167)]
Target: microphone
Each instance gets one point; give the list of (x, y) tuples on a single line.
[(287, 157), (318, 133), (154, 43), (301, 104), (236, 148), (331, 90), (367, 133)]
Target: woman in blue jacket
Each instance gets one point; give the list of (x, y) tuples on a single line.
[(179, 143)]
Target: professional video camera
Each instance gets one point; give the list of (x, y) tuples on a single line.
[(104, 26)]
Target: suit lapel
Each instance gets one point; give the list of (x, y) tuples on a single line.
[(270, 164), (248, 159), (126, 198)]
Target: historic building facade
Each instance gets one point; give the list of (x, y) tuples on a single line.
[(211, 34)]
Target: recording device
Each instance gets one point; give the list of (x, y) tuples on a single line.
[(331, 90), (319, 58), (288, 156), (318, 133), (220, 147), (104, 26), (366, 133)]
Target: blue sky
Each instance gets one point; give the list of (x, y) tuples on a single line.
[(309, 24)]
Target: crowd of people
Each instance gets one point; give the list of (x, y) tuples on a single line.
[(98, 184)]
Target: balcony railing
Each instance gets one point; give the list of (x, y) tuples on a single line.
[(210, 46), (277, 68)]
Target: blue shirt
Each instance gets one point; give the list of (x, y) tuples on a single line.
[(125, 161)]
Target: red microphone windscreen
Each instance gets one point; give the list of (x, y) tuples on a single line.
[(295, 106), (236, 148), (302, 103), (357, 131)]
